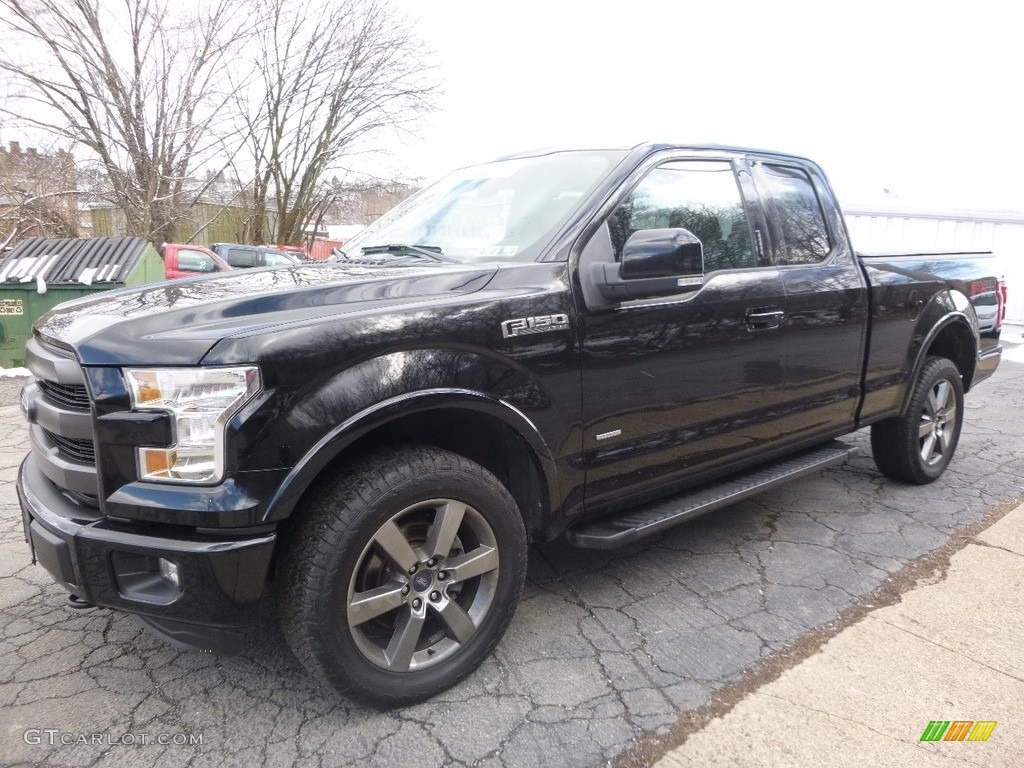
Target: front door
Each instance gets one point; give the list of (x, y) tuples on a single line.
[(682, 383)]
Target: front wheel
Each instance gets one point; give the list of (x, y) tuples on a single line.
[(402, 575), (918, 446)]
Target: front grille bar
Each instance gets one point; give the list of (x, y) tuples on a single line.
[(68, 395), (62, 433), (63, 472), (49, 365), (77, 450)]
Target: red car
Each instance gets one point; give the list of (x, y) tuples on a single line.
[(181, 260), (1001, 298)]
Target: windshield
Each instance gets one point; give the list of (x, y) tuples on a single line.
[(501, 211)]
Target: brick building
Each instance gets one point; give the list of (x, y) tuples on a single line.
[(37, 194)]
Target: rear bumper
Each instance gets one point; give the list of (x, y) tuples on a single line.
[(220, 579)]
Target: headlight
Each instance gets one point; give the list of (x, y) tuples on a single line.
[(200, 401)]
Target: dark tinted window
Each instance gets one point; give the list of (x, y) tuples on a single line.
[(701, 196), (800, 224), (241, 257), (985, 299)]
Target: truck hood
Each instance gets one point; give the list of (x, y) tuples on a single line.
[(177, 322)]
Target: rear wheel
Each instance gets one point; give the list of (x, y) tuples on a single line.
[(402, 575), (918, 446)]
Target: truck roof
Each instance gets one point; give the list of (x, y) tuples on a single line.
[(648, 147)]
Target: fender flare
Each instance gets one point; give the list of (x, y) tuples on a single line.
[(947, 320), (331, 445)]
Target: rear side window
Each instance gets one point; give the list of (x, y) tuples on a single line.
[(271, 259), (987, 299), (799, 221), (241, 257)]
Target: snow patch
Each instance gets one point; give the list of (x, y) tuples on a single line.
[(11, 373)]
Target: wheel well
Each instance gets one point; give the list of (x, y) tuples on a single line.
[(479, 437), (955, 342)]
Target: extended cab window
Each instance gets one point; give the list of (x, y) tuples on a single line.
[(800, 223)]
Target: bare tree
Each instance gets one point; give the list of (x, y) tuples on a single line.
[(38, 193), (328, 75), (138, 83), (365, 200), (23, 214)]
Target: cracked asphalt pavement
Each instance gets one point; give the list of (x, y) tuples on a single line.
[(606, 648)]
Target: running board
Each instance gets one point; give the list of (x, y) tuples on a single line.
[(626, 527)]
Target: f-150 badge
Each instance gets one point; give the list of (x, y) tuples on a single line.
[(540, 324)]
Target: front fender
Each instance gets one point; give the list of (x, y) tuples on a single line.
[(340, 409)]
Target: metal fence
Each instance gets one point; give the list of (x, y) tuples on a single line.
[(895, 230)]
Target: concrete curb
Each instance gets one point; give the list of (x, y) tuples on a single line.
[(949, 650)]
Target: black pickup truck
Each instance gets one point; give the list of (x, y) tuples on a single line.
[(589, 344)]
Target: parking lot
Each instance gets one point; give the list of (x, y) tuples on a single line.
[(606, 647)]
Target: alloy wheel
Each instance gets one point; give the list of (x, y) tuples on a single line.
[(937, 420), (423, 585)]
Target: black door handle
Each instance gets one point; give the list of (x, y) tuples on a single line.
[(764, 318)]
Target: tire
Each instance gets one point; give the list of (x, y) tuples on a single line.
[(918, 446), (401, 575)]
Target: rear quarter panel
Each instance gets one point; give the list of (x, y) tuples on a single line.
[(913, 298)]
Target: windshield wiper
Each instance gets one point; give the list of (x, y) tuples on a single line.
[(431, 252)]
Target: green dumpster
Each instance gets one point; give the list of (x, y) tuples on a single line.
[(42, 272)]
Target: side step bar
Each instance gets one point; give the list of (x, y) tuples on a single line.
[(626, 527)]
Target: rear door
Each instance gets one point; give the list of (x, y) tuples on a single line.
[(689, 381), (825, 306)]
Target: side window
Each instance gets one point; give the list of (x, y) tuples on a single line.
[(241, 257), (699, 195), (195, 261), (276, 260), (800, 223)]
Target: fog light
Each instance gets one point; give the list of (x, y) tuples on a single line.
[(169, 572)]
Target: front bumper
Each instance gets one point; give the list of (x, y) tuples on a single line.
[(221, 579)]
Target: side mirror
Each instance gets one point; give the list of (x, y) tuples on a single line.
[(654, 262), (662, 253)]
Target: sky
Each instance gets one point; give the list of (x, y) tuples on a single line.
[(903, 102)]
